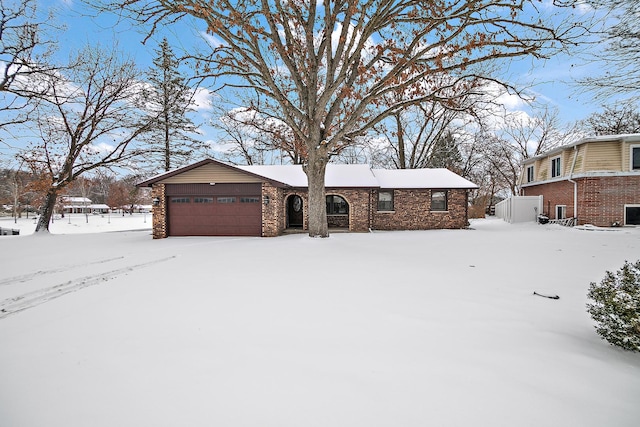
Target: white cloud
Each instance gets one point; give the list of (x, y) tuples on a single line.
[(202, 99), (212, 40)]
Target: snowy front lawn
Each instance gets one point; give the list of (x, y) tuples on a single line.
[(401, 329)]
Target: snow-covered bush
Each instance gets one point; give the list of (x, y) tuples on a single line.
[(616, 306)]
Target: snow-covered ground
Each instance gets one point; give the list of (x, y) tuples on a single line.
[(402, 329), (81, 223)]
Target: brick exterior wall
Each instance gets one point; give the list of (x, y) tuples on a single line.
[(159, 217), (272, 213), (601, 199), (553, 193), (412, 211), (358, 200)]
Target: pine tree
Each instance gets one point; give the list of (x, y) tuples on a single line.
[(616, 306), (170, 98), (445, 153)]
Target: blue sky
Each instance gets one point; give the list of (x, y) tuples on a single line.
[(549, 80)]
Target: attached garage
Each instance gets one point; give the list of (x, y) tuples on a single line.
[(214, 210), (209, 198)]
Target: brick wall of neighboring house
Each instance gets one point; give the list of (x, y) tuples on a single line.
[(601, 200), (159, 221), (554, 193), (412, 211)]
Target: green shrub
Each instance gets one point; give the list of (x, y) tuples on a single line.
[(616, 306)]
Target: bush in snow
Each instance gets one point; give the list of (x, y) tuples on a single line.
[(616, 306)]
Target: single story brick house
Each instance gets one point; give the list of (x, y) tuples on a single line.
[(211, 198), (595, 180)]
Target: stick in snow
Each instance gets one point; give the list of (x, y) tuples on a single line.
[(546, 296)]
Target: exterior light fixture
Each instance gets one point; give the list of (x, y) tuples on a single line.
[(156, 201), (266, 200)]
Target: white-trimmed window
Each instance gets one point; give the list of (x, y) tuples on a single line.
[(631, 214), (561, 211), (635, 158), (385, 201), (530, 175), (555, 167)]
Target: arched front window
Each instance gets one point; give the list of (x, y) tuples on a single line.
[(336, 205)]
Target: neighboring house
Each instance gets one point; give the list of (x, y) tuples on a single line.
[(595, 180), (81, 205), (75, 204), (210, 198)]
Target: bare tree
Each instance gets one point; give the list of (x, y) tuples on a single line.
[(125, 194), (413, 135), (89, 119), (616, 119), (517, 137), (254, 137), (24, 54), (14, 189), (620, 50), (325, 68)]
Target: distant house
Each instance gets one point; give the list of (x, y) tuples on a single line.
[(595, 180), (211, 198), (72, 204)]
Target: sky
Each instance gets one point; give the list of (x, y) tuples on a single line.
[(550, 81)]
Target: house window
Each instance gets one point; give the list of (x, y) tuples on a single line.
[(226, 199), (249, 199), (561, 211), (203, 200), (635, 157), (555, 167), (336, 205), (439, 201), (530, 174), (385, 200), (631, 214), (180, 200)]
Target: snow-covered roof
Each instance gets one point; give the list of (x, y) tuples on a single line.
[(420, 178), (336, 175), (340, 176), (69, 199)]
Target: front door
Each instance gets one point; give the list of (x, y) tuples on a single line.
[(294, 211)]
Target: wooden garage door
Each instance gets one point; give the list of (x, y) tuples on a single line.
[(228, 210)]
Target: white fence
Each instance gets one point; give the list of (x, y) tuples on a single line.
[(520, 208)]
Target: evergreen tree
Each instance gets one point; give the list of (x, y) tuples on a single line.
[(616, 306), (169, 97), (445, 153)]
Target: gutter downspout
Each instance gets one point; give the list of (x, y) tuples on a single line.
[(575, 184)]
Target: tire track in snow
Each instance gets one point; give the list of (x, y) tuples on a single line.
[(30, 276), (31, 299)]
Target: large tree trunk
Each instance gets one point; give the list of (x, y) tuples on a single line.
[(315, 171), (47, 211)]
